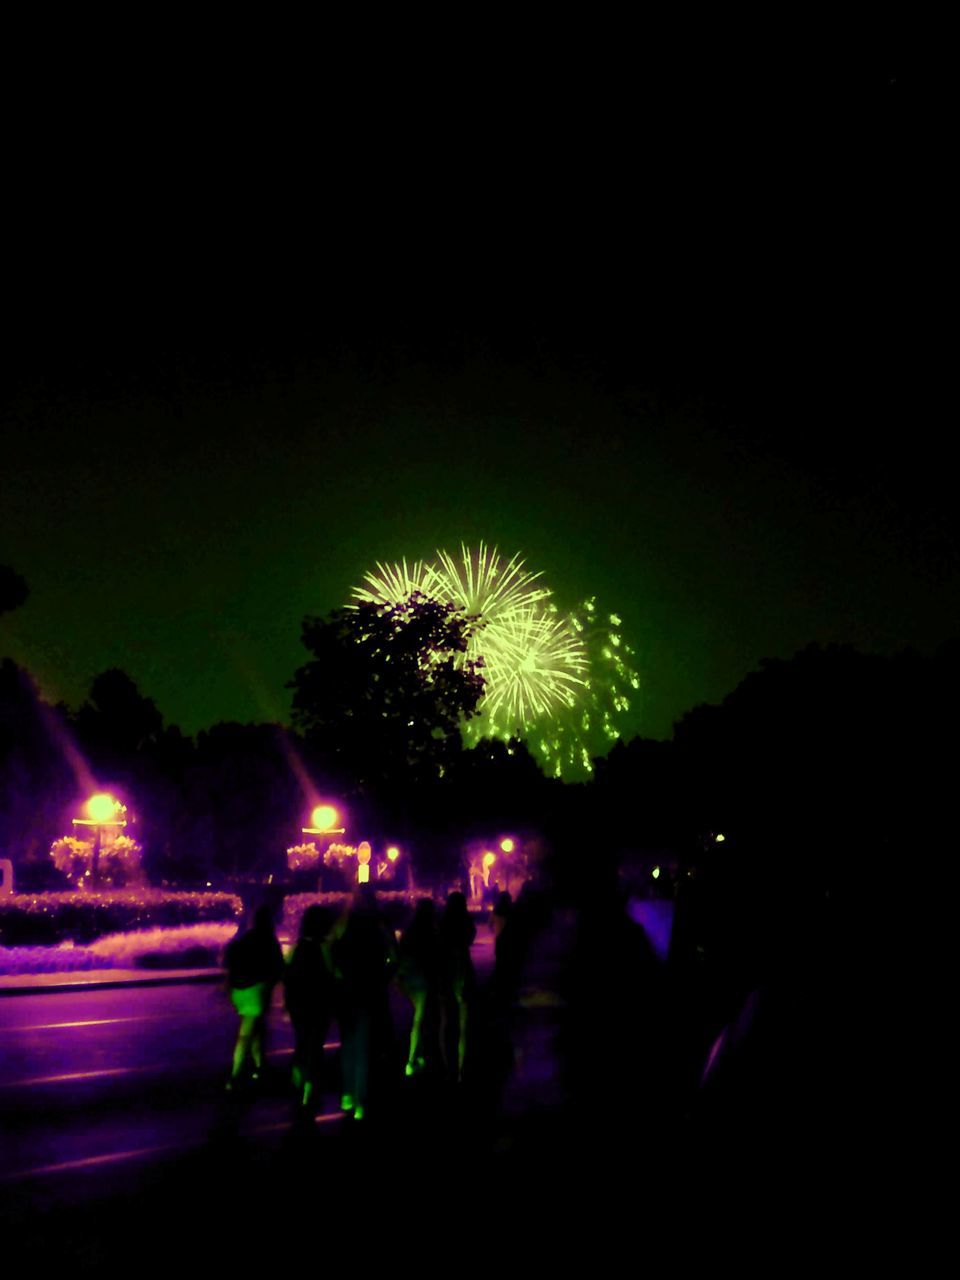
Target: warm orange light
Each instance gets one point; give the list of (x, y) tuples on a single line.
[(507, 845), (393, 853), (324, 817), (488, 860), (101, 808), (363, 852)]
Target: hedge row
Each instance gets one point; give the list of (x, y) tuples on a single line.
[(43, 919), (396, 905)]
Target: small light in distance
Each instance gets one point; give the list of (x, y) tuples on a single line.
[(393, 853), (489, 859), (363, 852), (507, 845), (655, 873), (720, 837)]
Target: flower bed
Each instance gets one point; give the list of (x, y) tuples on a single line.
[(45, 919), (194, 946)]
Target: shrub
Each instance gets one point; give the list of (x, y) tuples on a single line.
[(193, 946), (118, 864), (303, 857), (49, 918), (396, 905)]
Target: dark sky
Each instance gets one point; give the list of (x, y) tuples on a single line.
[(666, 338)]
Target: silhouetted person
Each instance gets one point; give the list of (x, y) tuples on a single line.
[(310, 996), (418, 975), (500, 914), (364, 952), (254, 962), (457, 932)]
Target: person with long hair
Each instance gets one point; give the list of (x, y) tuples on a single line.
[(418, 976), (364, 953), (254, 963), (457, 932), (309, 996)]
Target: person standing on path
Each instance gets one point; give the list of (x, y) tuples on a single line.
[(254, 963)]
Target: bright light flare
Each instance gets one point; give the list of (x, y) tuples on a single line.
[(507, 845), (393, 853), (488, 860), (101, 807), (324, 817)]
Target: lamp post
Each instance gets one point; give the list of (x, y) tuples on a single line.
[(324, 818), (103, 812)]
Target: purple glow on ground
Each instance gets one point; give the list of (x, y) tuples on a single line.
[(655, 916)]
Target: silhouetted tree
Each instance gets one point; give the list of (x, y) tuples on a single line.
[(242, 801), (384, 696), (36, 782), (13, 589), (118, 720)]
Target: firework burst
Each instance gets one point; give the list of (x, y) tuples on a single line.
[(558, 681), (534, 664), (394, 583)]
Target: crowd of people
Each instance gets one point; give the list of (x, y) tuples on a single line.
[(341, 969)]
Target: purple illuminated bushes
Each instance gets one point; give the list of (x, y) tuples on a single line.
[(48, 918)]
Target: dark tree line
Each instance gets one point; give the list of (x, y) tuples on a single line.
[(820, 769)]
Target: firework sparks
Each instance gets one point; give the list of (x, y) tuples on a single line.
[(394, 583), (558, 681)]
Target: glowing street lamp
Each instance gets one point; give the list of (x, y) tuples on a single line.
[(393, 853), (103, 812), (508, 845), (324, 819)]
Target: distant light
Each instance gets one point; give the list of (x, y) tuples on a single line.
[(655, 873), (363, 852), (208, 884), (101, 808), (324, 817), (363, 873), (720, 837), (488, 860), (393, 853), (507, 845)]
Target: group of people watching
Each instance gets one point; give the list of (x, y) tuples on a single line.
[(342, 968)]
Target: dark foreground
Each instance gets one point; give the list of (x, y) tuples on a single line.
[(583, 1132)]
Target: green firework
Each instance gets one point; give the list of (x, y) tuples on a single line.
[(558, 681)]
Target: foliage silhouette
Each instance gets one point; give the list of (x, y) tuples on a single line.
[(386, 691)]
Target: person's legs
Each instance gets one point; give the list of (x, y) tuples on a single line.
[(419, 999), (361, 1061), (243, 1045), (348, 1053), (462, 1041)]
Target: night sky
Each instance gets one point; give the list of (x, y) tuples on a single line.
[(671, 348)]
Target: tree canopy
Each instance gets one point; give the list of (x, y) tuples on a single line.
[(386, 691), (13, 589)]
